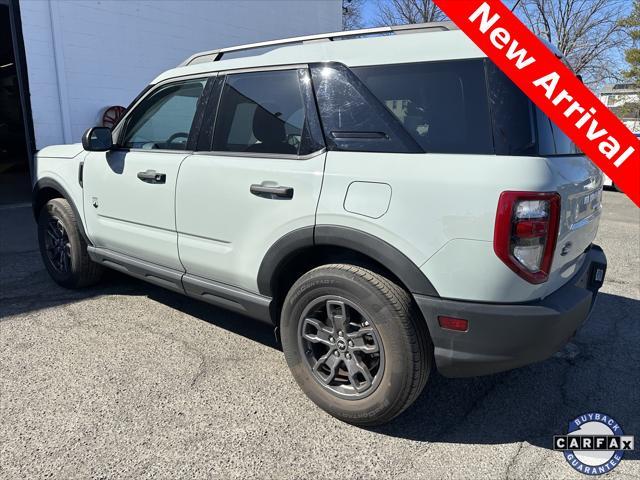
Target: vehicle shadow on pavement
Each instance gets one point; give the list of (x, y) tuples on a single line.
[(25, 286), (41, 293), (247, 327), (596, 372)]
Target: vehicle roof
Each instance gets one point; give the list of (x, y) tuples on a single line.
[(388, 49)]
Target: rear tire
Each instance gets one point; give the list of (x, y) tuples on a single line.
[(63, 249), (368, 369)]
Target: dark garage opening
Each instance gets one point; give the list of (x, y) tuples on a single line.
[(15, 180)]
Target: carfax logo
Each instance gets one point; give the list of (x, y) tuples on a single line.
[(594, 443)]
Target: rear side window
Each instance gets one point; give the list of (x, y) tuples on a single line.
[(451, 107), (442, 105), (519, 127), (513, 115), (261, 112)]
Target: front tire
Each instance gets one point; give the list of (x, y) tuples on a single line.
[(63, 249), (355, 343)]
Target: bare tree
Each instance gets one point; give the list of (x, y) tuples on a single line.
[(400, 12), (631, 25), (352, 14), (588, 32)]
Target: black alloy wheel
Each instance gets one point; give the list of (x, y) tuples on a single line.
[(355, 342), (57, 246), (63, 247), (342, 347)]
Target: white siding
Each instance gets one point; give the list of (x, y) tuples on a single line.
[(84, 55)]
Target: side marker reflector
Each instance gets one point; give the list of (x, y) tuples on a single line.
[(451, 323)]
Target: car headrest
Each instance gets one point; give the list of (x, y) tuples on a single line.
[(268, 127)]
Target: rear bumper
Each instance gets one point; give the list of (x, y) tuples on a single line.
[(505, 336)]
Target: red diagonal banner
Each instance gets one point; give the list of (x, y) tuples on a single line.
[(552, 87)]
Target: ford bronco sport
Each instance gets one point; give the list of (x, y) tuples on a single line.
[(388, 200)]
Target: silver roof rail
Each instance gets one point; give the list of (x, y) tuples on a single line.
[(215, 55)]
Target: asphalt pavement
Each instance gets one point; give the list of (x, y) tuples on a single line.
[(126, 380)]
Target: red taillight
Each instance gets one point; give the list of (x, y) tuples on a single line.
[(451, 323), (531, 228), (526, 232)]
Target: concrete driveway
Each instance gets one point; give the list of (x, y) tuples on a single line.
[(130, 381)]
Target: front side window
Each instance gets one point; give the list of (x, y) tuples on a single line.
[(261, 112), (163, 119)]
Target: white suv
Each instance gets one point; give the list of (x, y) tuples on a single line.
[(389, 203)]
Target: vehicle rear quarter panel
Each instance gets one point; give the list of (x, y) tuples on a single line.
[(441, 214)]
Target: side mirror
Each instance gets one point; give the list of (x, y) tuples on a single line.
[(97, 139)]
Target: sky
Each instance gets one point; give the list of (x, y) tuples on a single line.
[(370, 7)]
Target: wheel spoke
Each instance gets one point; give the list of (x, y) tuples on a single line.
[(338, 315), (60, 258), (65, 258), (57, 245), (342, 347), (53, 233), (321, 335), (364, 340), (359, 374), (331, 362)]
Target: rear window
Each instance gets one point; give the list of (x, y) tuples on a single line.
[(442, 105)]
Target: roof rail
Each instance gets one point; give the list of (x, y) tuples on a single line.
[(215, 55)]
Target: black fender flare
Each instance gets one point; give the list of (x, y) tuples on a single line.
[(279, 253), (51, 183), (340, 236)]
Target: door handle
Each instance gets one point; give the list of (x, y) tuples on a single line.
[(151, 176), (273, 193)]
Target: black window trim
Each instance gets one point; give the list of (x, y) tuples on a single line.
[(215, 96), (376, 104), (274, 156), (120, 128)]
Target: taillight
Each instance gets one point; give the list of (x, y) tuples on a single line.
[(526, 232)]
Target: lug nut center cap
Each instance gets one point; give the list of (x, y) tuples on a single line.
[(342, 345)]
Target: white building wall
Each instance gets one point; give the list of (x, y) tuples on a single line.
[(85, 55)]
